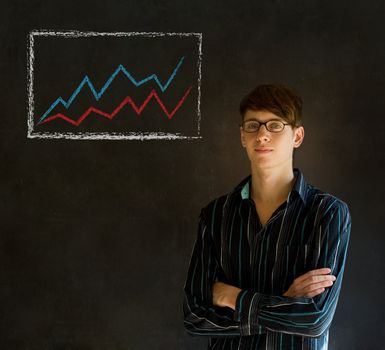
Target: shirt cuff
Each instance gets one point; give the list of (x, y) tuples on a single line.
[(246, 312)]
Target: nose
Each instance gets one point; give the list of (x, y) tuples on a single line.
[(263, 134)]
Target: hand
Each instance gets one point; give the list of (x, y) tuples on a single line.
[(225, 295), (311, 283)]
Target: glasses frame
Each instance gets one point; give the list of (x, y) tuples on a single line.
[(265, 124)]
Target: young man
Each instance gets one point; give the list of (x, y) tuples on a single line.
[(267, 265)]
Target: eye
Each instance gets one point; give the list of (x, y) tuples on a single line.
[(275, 125), (251, 125)]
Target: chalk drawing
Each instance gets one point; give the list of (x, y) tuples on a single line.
[(99, 94), (116, 135), (127, 100)]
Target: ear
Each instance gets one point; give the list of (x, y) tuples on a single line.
[(299, 134), (243, 142)]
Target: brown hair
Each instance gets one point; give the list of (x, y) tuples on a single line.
[(277, 99)]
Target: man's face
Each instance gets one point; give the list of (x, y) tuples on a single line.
[(267, 149)]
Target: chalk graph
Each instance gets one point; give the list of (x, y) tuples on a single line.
[(127, 100), (72, 112)]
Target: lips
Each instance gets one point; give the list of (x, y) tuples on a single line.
[(263, 150)]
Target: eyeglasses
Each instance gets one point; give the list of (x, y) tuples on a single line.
[(270, 125)]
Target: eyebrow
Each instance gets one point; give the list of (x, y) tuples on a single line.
[(256, 120)]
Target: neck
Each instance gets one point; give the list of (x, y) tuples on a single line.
[(270, 185)]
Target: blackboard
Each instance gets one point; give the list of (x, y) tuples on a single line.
[(96, 233)]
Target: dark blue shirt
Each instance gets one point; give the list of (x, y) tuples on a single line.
[(310, 230)]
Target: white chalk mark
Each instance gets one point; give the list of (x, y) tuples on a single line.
[(102, 135), (31, 59), (112, 136)]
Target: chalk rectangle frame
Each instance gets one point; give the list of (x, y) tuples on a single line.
[(32, 134)]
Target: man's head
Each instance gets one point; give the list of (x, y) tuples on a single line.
[(276, 99), (271, 125)]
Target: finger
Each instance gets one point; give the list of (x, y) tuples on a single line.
[(323, 271), (314, 293), (309, 287), (315, 286), (313, 273), (317, 279)]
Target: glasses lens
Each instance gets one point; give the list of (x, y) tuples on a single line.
[(251, 126), (275, 126)]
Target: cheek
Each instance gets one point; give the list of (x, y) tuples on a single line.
[(285, 144)]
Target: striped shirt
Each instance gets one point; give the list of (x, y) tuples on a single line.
[(310, 230)]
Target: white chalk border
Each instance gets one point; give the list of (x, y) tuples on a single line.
[(104, 136)]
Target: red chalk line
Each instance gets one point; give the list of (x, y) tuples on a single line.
[(127, 100)]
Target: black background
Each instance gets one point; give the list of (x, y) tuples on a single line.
[(96, 236)]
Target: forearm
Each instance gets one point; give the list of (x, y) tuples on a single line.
[(307, 316), (255, 312), (281, 314), (201, 317), (225, 295), (205, 319)]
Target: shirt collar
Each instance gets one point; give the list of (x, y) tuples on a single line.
[(300, 186)]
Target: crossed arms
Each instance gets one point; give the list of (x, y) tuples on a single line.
[(212, 307)]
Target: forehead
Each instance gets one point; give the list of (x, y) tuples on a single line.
[(260, 116)]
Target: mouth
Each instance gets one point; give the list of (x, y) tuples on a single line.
[(263, 150)]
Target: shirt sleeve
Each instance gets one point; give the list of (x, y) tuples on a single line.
[(302, 316), (201, 317)]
